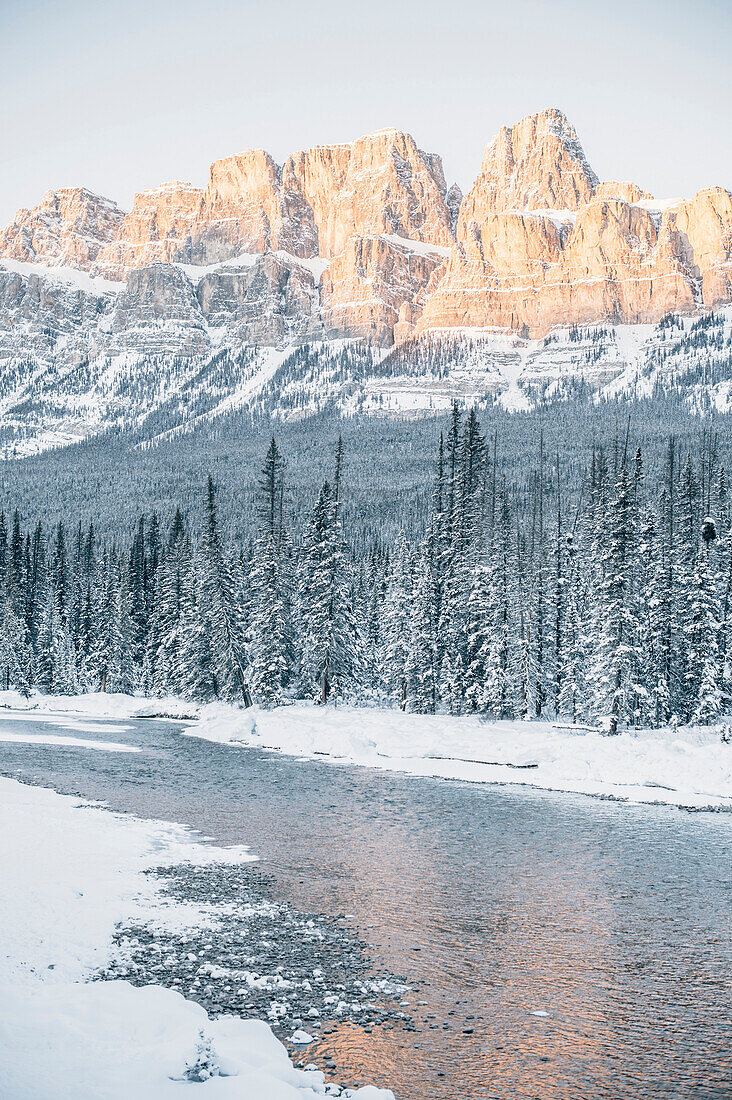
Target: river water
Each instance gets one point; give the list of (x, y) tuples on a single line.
[(557, 947)]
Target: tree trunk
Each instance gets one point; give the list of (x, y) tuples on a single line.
[(324, 687), (615, 713)]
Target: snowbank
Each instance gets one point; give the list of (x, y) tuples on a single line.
[(99, 704), (688, 767), (69, 873)]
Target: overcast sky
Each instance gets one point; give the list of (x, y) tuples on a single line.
[(120, 96)]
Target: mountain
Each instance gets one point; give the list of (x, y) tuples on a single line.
[(361, 241)]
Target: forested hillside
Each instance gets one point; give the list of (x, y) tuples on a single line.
[(110, 480), (536, 573)]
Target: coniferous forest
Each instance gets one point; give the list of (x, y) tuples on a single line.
[(601, 599)]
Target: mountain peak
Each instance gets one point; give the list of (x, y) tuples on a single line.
[(364, 239), (69, 227), (538, 163)]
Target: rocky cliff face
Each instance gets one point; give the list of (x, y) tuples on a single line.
[(362, 240), (538, 164), (701, 232), (541, 243), (364, 288), (68, 228), (381, 184), (158, 229), (273, 301), (614, 261)]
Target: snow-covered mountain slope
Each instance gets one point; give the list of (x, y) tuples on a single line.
[(81, 355)]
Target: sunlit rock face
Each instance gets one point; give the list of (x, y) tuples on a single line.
[(702, 233), (541, 243), (623, 189), (68, 228), (364, 239), (159, 229), (248, 210), (614, 261), (380, 184), (538, 164), (365, 286)]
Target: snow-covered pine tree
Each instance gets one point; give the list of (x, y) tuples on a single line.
[(499, 694), (437, 539), (219, 604), (197, 668), (422, 660), (35, 586), (124, 665), (16, 661), (165, 642), (467, 460), (559, 610), (331, 645), (104, 631), (136, 582), (703, 666), (481, 637), (56, 666), (538, 557), (572, 696), (60, 574), (396, 627), (373, 601), (615, 656), (15, 569), (272, 643)]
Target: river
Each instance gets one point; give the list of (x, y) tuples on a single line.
[(557, 947)]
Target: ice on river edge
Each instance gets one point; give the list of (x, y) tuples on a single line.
[(69, 872)]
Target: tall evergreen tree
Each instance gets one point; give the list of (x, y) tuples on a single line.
[(219, 603), (331, 644), (272, 642)]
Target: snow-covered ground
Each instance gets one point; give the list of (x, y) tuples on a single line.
[(69, 873), (690, 767), (96, 704)]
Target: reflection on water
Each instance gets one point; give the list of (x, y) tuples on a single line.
[(612, 923)]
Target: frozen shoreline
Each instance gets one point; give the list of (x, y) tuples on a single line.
[(70, 871), (689, 767)]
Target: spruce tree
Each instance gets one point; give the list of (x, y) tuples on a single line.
[(331, 645), (219, 605), (395, 624), (422, 661), (272, 643)]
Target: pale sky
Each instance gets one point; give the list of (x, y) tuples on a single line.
[(120, 96)]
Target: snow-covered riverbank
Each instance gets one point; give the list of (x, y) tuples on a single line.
[(689, 767), (69, 873)]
